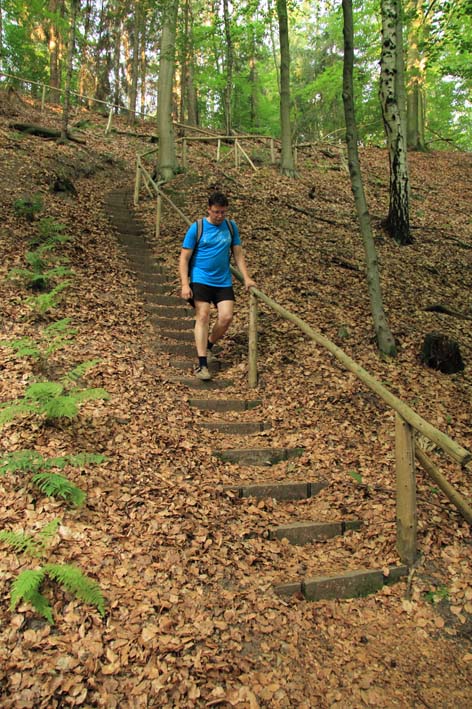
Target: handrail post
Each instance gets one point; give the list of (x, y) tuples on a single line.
[(137, 181), (252, 349), (158, 214), (43, 98), (110, 115), (184, 153), (406, 490), (272, 151), (236, 154), (218, 150)]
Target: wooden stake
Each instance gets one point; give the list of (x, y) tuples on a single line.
[(158, 215), (110, 116), (137, 181), (252, 353), (406, 490)]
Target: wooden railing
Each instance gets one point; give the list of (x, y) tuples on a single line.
[(407, 422)]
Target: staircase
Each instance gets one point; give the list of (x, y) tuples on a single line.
[(172, 320)]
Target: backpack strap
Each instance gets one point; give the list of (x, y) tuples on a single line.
[(199, 231), (230, 225)]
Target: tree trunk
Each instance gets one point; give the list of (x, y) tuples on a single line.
[(287, 166), (133, 91), (70, 58), (416, 78), (167, 154), (385, 340), (54, 49), (398, 220), (228, 91)]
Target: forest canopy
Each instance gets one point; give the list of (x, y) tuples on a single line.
[(227, 69)]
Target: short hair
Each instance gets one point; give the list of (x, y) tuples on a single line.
[(219, 199)]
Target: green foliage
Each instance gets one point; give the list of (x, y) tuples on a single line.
[(53, 338), (30, 461), (33, 545), (441, 593), (27, 587), (50, 234), (43, 303), (355, 475), (53, 400), (55, 485), (28, 207)]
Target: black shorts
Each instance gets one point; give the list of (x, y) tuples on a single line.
[(210, 294)]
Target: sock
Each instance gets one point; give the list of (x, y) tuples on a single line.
[(202, 362), (210, 345)]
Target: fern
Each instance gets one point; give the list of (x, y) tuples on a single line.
[(28, 206), (53, 337), (55, 485), (78, 372), (52, 399), (27, 586), (74, 581), (42, 304), (34, 545), (31, 461)]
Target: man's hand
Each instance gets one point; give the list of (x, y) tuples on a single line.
[(186, 292), (249, 283)]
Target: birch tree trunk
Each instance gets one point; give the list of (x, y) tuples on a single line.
[(384, 337), (398, 220), (228, 91), (167, 154), (287, 166)]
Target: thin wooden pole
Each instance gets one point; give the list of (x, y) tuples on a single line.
[(244, 153), (158, 215), (406, 490), (43, 98), (236, 154), (137, 181), (252, 353), (218, 150), (272, 151), (455, 497), (110, 116), (184, 153)]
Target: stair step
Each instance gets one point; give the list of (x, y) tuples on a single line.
[(194, 383), (258, 456), (349, 584), (285, 490), (225, 404), (174, 323), (167, 311), (168, 300), (300, 533), (158, 287), (181, 335), (180, 348), (236, 427), (179, 363)]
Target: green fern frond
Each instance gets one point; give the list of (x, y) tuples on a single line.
[(49, 227), (55, 485), (90, 395), (26, 585), (10, 411), (41, 304), (72, 578), (43, 392), (24, 347), (45, 534), (19, 541), (41, 605), (78, 372), (61, 407), (21, 461), (61, 326)]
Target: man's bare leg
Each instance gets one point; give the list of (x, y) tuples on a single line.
[(202, 324), (225, 316)]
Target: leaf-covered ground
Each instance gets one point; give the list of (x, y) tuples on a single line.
[(186, 569)]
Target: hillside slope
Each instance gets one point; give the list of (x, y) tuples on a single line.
[(186, 570)]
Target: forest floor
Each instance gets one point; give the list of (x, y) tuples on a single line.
[(186, 570)]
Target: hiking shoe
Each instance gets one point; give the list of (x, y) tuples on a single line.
[(203, 373), (211, 356)]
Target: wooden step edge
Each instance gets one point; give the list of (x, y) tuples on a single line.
[(306, 531), (225, 404), (348, 584), (258, 456), (236, 427), (285, 490)]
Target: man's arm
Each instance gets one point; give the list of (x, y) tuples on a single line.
[(241, 265), (184, 260)]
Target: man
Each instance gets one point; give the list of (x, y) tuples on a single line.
[(206, 277)]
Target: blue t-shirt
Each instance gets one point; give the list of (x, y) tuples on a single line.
[(210, 260)]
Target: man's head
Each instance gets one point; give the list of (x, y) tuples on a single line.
[(217, 208)]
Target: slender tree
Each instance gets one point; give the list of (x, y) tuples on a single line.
[(385, 340), (229, 61), (74, 8), (167, 153), (416, 65), (398, 220), (287, 165)]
